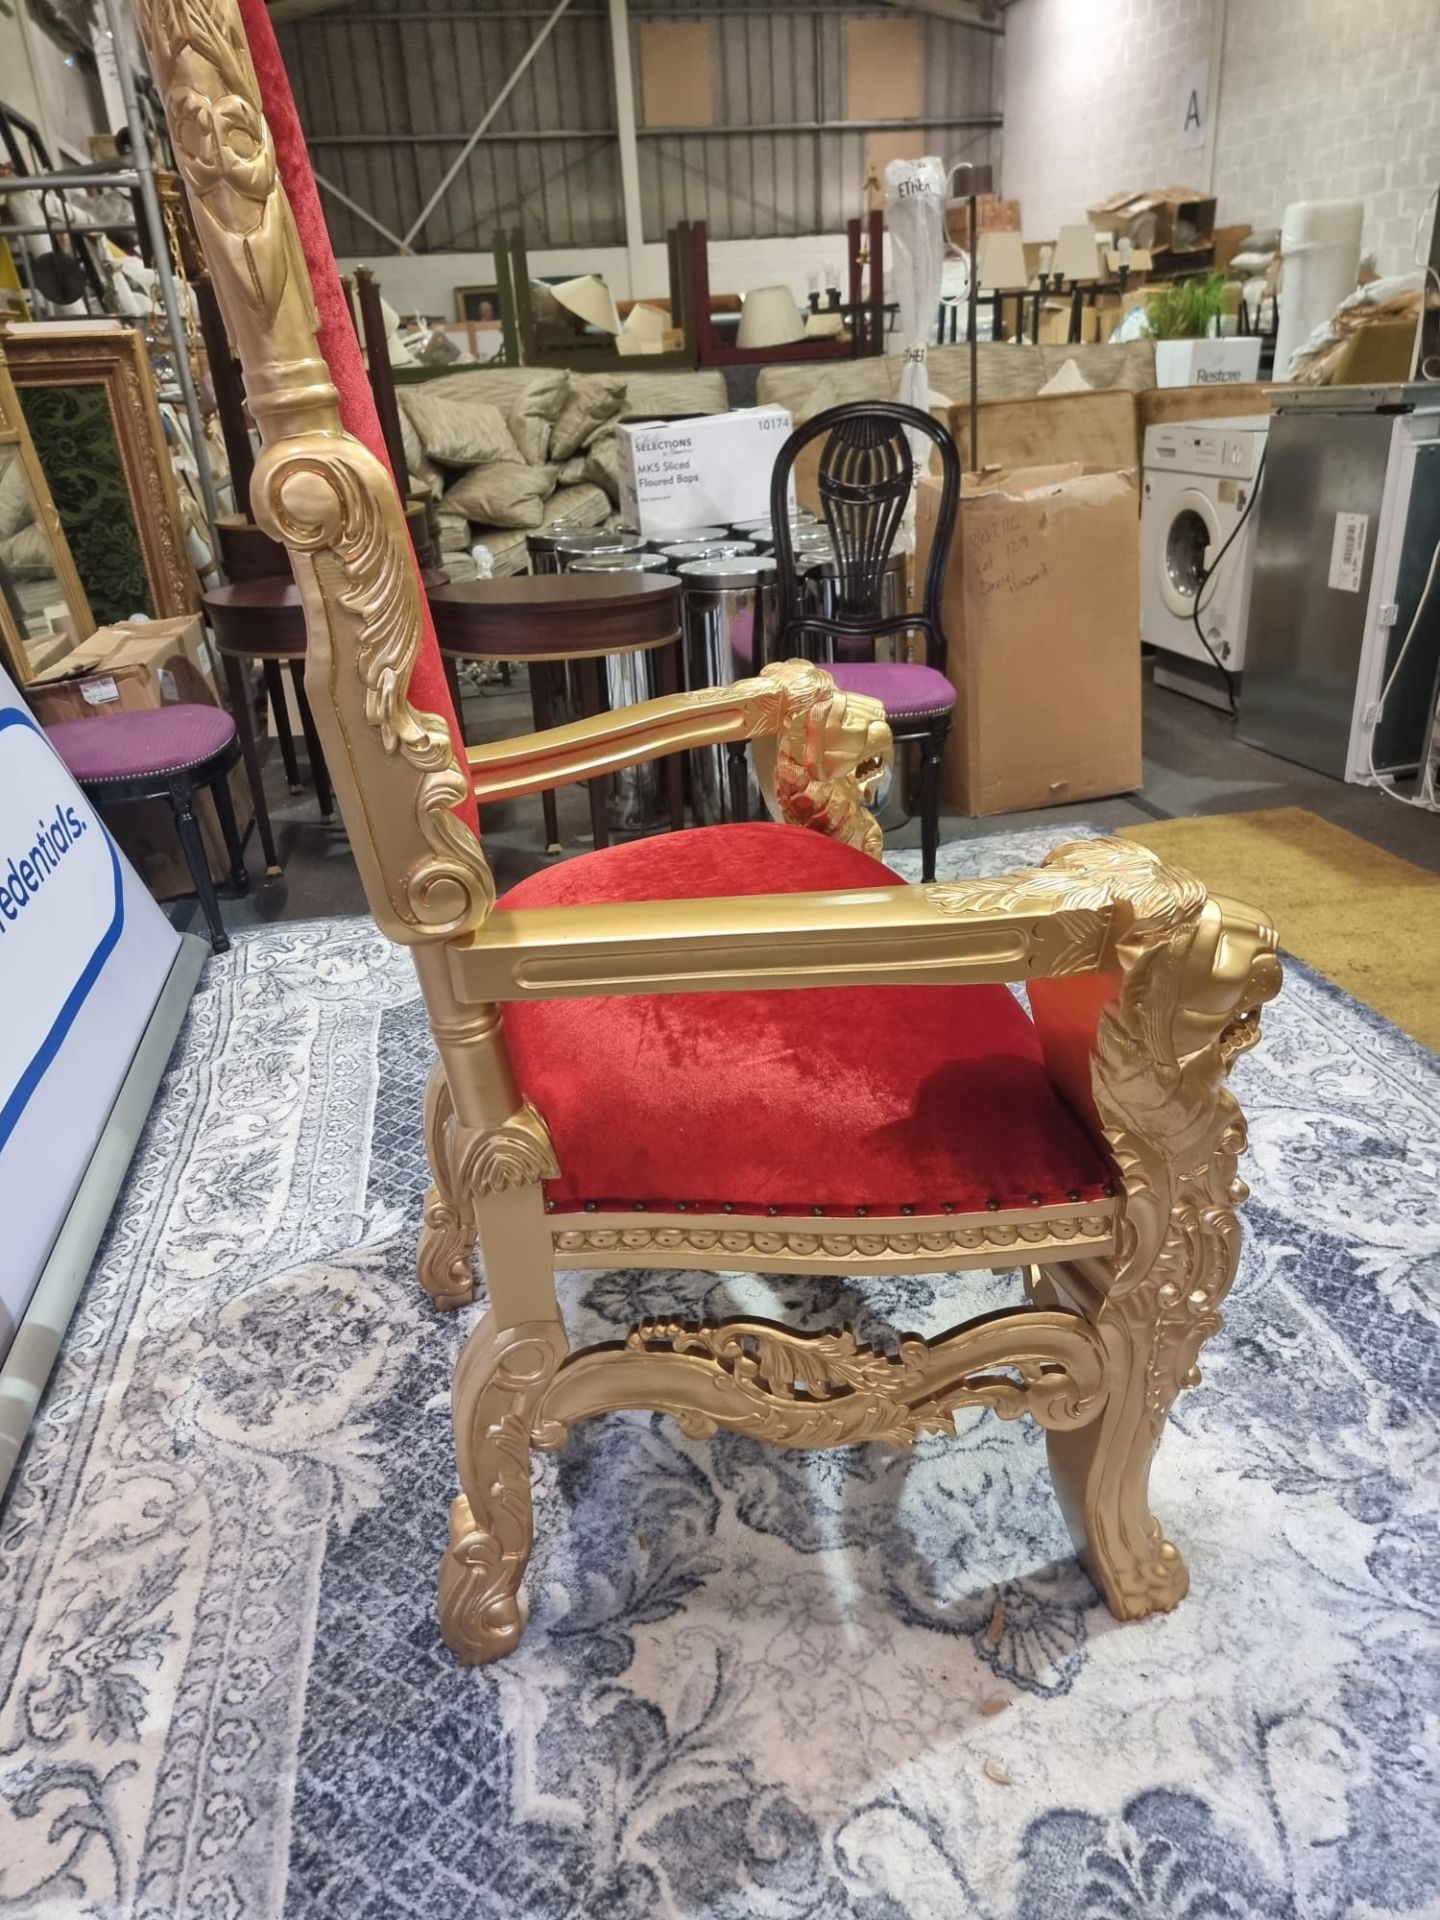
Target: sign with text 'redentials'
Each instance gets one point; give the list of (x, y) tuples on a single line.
[(84, 952)]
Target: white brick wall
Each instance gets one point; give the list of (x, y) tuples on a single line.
[(1319, 100)]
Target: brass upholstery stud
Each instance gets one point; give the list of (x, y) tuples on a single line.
[(728, 1207), (907, 1209), (592, 1206), (819, 1212), (1035, 1200), (863, 1212), (1074, 1194), (992, 1206), (949, 1206), (772, 1210), (639, 1206)]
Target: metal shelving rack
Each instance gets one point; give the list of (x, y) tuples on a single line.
[(139, 179)]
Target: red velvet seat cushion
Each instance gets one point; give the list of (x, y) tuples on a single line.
[(843, 1098)]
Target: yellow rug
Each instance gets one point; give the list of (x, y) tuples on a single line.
[(1367, 921)]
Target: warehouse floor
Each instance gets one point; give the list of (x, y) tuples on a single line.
[(1193, 765)]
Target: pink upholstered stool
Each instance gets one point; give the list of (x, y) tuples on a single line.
[(165, 753)]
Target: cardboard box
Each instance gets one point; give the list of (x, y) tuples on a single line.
[(1207, 363), (1160, 219), (992, 215), (130, 669), (1097, 429), (708, 470), (1159, 406), (1041, 613)]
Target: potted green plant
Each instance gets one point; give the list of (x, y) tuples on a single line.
[(1184, 321)]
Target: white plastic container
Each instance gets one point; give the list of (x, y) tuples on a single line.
[(1207, 363), (1319, 262)]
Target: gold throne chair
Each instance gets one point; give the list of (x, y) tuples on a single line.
[(739, 1048)]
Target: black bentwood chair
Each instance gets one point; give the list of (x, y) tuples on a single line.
[(866, 474)]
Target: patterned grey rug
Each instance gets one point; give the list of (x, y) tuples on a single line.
[(850, 1686)]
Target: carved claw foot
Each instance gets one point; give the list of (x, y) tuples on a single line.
[(1144, 1586), (483, 1609)]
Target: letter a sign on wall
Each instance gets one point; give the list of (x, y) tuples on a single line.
[(1194, 104)]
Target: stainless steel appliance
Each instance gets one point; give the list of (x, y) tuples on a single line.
[(1347, 523), (724, 599)]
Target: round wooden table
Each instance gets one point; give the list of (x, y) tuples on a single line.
[(262, 619), (577, 618)]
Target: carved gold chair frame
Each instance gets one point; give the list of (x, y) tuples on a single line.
[(1143, 987)]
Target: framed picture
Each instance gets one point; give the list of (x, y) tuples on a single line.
[(43, 609), (88, 397), (478, 304)]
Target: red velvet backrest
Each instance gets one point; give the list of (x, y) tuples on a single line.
[(428, 689)]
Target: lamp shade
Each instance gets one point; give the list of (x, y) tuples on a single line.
[(1002, 263), (589, 299), (643, 331), (1077, 254), (770, 317)]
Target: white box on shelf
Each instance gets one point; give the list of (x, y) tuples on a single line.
[(708, 470), (1207, 363)]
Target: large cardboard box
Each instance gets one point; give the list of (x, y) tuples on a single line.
[(1042, 621), (1160, 219), (129, 669), (1098, 429), (708, 470)]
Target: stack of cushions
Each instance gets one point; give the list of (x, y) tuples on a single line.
[(502, 463)]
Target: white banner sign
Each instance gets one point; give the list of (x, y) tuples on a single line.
[(1194, 104), (84, 952)]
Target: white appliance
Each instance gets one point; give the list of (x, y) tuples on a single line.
[(1199, 480)]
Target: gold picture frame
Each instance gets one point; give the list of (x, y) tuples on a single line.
[(76, 379), (16, 445)]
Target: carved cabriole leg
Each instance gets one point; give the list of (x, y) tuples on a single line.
[(1152, 1332), (502, 1374), (447, 1238), (496, 1153), (1195, 974)]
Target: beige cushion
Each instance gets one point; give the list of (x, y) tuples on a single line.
[(17, 507), (454, 531), (572, 471), (582, 506), (670, 394), (504, 494), (534, 411), (27, 553), (458, 431), (593, 399), (425, 476), (602, 464)]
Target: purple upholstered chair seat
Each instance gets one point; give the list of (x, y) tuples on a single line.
[(133, 746), (906, 690)]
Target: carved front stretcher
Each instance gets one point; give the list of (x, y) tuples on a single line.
[(1143, 989)]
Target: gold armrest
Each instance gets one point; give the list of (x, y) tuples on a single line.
[(1095, 907), (766, 941), (820, 754), (609, 741)]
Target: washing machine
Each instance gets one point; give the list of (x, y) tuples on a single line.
[(1199, 481)]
